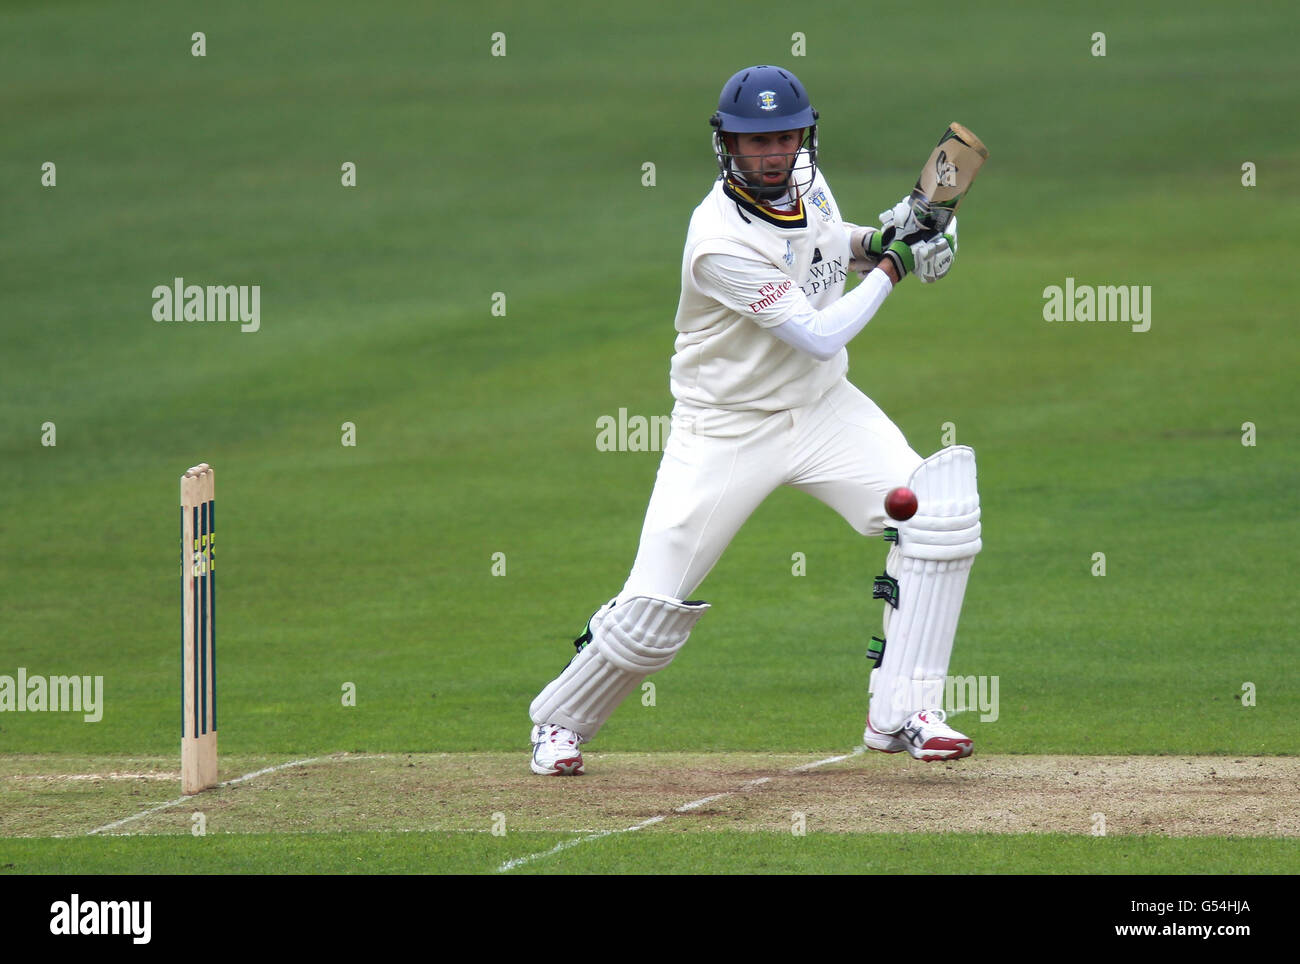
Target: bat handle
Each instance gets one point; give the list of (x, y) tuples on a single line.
[(927, 215)]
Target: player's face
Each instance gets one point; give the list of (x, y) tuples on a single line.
[(765, 159)]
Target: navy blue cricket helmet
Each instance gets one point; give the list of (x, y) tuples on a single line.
[(763, 99)]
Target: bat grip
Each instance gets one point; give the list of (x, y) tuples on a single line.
[(928, 215)]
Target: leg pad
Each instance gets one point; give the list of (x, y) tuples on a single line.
[(629, 641)]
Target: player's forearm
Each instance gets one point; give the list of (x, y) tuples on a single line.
[(865, 250), (823, 333)]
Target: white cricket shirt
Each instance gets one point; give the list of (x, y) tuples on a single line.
[(773, 263)]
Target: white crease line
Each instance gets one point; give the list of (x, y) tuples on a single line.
[(759, 781), (229, 783), (699, 803), (685, 807), (137, 816), (566, 844), (829, 759)]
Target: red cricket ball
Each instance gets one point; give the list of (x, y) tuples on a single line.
[(900, 503)]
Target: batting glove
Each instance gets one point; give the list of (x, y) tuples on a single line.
[(900, 223), (930, 259)]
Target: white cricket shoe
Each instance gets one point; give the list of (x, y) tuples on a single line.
[(925, 735), (555, 751)]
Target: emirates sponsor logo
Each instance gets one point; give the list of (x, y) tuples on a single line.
[(769, 295)]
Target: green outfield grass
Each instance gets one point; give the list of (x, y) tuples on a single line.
[(373, 565), (649, 853)]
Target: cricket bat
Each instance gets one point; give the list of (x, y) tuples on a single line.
[(947, 176)]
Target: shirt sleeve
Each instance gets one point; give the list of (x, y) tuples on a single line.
[(748, 286), (759, 291), (823, 333)]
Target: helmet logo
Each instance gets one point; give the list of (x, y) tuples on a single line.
[(767, 100)]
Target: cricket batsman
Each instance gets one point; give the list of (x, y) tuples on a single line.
[(762, 400)]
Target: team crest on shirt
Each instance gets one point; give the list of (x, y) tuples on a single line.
[(767, 100), (822, 203)]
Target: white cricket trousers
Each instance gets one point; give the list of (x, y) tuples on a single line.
[(719, 466)]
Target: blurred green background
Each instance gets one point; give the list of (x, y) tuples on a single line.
[(476, 432)]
